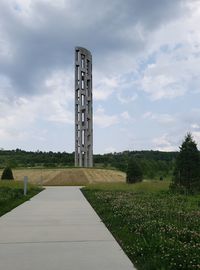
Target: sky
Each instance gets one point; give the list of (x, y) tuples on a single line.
[(146, 72)]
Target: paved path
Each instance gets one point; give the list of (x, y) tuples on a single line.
[(58, 230)]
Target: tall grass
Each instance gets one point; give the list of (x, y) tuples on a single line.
[(156, 228), (15, 184), (147, 186), (12, 194)]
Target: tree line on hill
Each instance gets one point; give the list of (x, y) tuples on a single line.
[(154, 164), (183, 167)]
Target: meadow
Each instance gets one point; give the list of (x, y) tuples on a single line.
[(68, 176), (156, 228), (12, 194)]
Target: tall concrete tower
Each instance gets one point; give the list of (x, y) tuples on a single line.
[(83, 108)]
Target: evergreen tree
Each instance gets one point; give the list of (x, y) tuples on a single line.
[(187, 170), (7, 174), (134, 172)]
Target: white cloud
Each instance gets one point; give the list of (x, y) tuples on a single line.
[(175, 66), (139, 53), (195, 126), (6, 88), (160, 118), (6, 49), (114, 86), (105, 87), (61, 95), (163, 143), (125, 115), (19, 116), (196, 135), (103, 120), (161, 86), (61, 81), (125, 100)]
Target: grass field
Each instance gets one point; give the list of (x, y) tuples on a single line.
[(11, 195), (157, 229), (11, 192), (68, 176), (145, 186)]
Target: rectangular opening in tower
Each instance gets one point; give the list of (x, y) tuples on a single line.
[(82, 61), (82, 84), (82, 100), (83, 117), (78, 73), (83, 137)]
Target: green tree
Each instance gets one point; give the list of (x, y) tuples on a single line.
[(7, 174), (187, 172), (134, 172)]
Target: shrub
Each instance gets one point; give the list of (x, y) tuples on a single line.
[(7, 174), (134, 172)]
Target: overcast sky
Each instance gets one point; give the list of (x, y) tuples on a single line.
[(146, 72)]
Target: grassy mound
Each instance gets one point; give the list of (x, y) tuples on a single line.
[(69, 176)]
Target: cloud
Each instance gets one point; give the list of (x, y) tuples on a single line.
[(172, 74), (160, 118), (121, 87), (164, 143), (103, 120), (140, 53), (125, 115), (105, 88), (6, 88), (196, 135), (125, 100), (41, 35), (192, 116), (172, 60), (19, 116), (59, 98), (195, 126)]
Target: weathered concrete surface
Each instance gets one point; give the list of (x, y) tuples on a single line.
[(58, 230), (83, 108)]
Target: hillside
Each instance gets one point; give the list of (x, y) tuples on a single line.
[(71, 176), (154, 164)]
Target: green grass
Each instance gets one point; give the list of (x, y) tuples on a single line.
[(15, 184), (12, 194), (147, 186), (157, 229)]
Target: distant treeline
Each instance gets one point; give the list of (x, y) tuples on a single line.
[(153, 163)]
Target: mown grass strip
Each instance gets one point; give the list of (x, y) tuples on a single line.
[(157, 229)]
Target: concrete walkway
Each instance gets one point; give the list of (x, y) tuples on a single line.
[(58, 230)]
